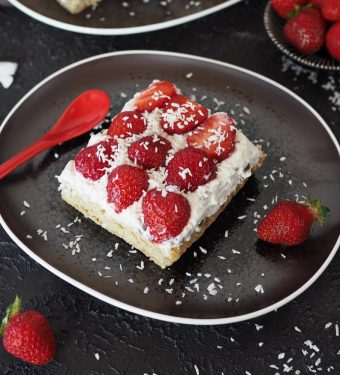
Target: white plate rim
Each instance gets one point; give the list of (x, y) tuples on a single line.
[(122, 30), (138, 310)]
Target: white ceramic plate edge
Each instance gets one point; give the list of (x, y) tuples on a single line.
[(123, 30), (140, 311)]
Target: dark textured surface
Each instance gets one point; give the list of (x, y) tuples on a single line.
[(127, 343)]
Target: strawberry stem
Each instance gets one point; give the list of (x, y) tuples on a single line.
[(294, 12), (298, 9), (319, 211), (13, 309)]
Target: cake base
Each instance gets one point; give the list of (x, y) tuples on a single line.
[(153, 251)]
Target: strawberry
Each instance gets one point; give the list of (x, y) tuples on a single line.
[(126, 124), (155, 96), (149, 152), (27, 335), (289, 222), (91, 161), (125, 186), (285, 7), (331, 10), (165, 214), (316, 3), (306, 31), (180, 115), (333, 40), (190, 168), (216, 136)]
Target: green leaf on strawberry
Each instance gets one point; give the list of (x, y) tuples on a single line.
[(13, 309)]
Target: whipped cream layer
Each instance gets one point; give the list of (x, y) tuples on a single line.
[(204, 202)]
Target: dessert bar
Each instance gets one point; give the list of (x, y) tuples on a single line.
[(162, 172)]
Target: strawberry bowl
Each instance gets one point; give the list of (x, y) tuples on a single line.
[(274, 26)]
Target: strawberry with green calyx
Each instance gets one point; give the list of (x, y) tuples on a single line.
[(285, 7), (289, 222), (27, 335), (298, 9), (305, 30)]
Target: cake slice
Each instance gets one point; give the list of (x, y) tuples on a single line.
[(76, 6), (162, 172)]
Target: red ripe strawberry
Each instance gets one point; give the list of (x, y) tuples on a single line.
[(125, 186), (331, 10), (165, 214), (216, 136), (155, 96), (126, 124), (289, 222), (285, 7), (92, 161), (149, 152), (181, 115), (190, 168), (306, 31), (333, 40), (27, 335)]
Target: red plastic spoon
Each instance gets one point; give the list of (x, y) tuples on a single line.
[(83, 114)]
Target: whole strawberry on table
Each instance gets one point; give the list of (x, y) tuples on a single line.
[(311, 24), (27, 335)]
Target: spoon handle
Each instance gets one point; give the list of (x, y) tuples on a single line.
[(28, 153)]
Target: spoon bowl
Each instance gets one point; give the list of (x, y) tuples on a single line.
[(84, 113), (87, 109)]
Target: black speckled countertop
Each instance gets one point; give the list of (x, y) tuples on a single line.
[(300, 338)]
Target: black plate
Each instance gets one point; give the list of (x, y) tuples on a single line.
[(274, 25), (285, 126), (111, 18)]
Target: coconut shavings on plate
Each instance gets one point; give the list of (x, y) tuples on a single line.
[(7, 72), (330, 85)]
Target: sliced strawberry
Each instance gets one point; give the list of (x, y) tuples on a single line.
[(216, 136), (125, 186), (180, 115), (92, 161), (149, 152), (155, 96), (126, 124), (165, 214), (190, 168)]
